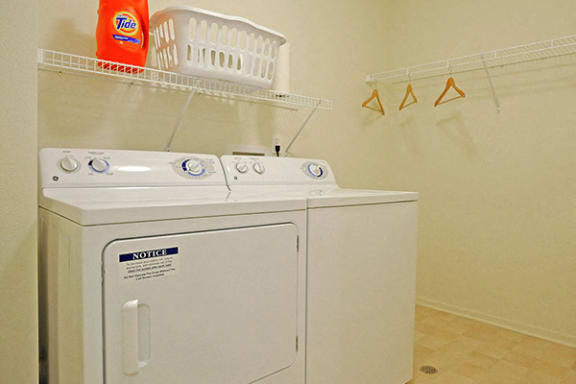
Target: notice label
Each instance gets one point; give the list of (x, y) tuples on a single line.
[(148, 264)]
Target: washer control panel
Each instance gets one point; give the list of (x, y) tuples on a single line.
[(245, 165), (247, 170), (241, 166), (99, 165), (315, 170), (69, 164), (197, 167), (63, 167), (259, 167)]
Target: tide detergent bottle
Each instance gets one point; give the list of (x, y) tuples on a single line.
[(122, 33)]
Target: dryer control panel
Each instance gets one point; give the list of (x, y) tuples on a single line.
[(255, 170), (66, 167)]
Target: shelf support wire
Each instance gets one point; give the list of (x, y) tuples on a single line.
[(492, 89), (302, 126), (179, 121)]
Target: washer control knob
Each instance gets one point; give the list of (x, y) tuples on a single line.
[(242, 167), (69, 164), (315, 170), (258, 168), (193, 167), (99, 165)]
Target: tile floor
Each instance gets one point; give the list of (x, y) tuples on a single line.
[(469, 352)]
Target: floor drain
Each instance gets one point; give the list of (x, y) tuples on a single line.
[(428, 369)]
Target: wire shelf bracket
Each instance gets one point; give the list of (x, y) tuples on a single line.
[(179, 121), (492, 89), (302, 126)]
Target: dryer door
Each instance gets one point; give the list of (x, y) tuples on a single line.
[(215, 307)]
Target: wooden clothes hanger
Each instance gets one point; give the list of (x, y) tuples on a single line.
[(451, 83), (373, 96), (409, 91)]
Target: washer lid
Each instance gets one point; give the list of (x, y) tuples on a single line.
[(325, 196), (342, 197), (93, 206), (306, 178)]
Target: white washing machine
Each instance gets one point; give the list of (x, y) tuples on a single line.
[(362, 248), (151, 274)]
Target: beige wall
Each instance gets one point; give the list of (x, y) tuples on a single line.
[(498, 208), (18, 298)]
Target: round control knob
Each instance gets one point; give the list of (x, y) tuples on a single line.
[(242, 167), (315, 170), (99, 165), (258, 168), (193, 167), (69, 164)]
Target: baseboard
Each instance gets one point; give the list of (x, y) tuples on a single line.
[(560, 338)]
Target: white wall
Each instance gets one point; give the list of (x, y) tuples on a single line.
[(18, 296)]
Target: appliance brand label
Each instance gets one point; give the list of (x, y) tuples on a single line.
[(148, 264), (126, 23), (127, 27)]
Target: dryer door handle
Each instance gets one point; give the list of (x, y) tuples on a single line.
[(130, 342)]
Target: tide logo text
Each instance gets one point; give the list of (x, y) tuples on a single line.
[(126, 23)]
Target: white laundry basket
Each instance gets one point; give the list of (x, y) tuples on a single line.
[(208, 44)]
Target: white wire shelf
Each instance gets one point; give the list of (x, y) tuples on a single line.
[(540, 50), (68, 63)]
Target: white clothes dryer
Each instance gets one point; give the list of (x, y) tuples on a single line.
[(362, 248), (151, 274)]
